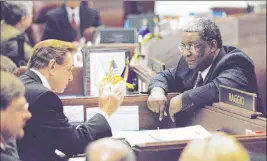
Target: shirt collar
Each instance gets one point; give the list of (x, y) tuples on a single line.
[(205, 72), (43, 79), (70, 11), (2, 146)]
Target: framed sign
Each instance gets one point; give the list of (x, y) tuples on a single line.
[(115, 35), (97, 63), (238, 98)]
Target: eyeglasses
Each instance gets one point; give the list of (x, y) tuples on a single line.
[(191, 47)]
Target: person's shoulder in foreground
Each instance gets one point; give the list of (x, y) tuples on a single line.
[(108, 149), (217, 147), (14, 114)]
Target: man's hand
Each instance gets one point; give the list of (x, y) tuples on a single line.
[(88, 33), (157, 102), (110, 101), (175, 106)]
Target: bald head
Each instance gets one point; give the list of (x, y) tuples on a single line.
[(108, 149)]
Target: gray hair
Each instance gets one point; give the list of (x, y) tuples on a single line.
[(11, 87), (207, 29), (43, 55), (7, 64)]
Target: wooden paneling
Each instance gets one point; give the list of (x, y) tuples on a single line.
[(248, 33)]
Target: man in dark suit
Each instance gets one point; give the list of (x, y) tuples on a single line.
[(50, 70), (205, 65), (14, 114), (70, 22)]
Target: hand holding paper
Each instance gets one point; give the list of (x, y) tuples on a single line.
[(111, 97)]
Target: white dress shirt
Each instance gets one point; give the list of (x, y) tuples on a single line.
[(2, 146), (43, 79), (76, 12), (205, 72)]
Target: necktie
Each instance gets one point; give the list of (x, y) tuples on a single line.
[(199, 81), (75, 26)]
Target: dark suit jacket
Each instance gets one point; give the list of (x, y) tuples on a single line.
[(49, 129), (231, 68), (59, 27)]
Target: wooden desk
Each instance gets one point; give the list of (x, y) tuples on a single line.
[(162, 151), (146, 117), (211, 117)]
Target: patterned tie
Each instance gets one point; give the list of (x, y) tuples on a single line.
[(199, 81), (75, 26)]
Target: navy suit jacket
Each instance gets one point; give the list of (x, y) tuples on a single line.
[(58, 25), (231, 68), (49, 129)]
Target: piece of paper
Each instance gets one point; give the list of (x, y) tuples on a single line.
[(134, 137), (174, 134), (185, 133), (125, 118), (77, 159), (74, 113)]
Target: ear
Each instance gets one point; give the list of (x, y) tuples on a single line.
[(52, 66), (213, 45)]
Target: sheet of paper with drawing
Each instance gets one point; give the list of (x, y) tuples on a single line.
[(125, 118), (175, 134)]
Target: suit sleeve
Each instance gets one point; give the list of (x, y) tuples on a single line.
[(97, 21), (51, 28), (169, 80), (59, 134)]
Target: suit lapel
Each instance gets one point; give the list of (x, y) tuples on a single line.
[(214, 65), (33, 76), (84, 18)]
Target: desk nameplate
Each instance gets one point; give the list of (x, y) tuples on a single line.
[(238, 98)]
